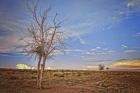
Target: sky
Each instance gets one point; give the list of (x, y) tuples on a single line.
[(99, 32)]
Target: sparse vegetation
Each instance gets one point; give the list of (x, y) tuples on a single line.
[(70, 81)]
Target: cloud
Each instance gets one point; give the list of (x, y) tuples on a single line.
[(126, 10), (99, 20), (99, 51), (98, 48), (82, 41), (133, 3), (74, 50), (130, 51), (91, 67), (8, 43), (11, 17), (88, 53), (95, 65), (72, 34), (133, 63), (48, 68), (137, 35), (124, 46), (11, 26), (130, 4), (23, 66), (96, 54)]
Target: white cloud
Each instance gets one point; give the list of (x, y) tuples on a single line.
[(111, 51), (99, 20), (124, 46), (91, 67), (48, 68), (98, 47), (130, 51), (82, 41), (74, 50), (10, 45), (23, 66), (137, 34), (94, 49), (74, 34), (99, 51), (88, 53)]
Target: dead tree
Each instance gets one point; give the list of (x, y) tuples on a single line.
[(101, 67), (43, 38)]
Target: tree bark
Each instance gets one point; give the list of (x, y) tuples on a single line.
[(44, 61), (42, 72), (38, 71), (41, 77)]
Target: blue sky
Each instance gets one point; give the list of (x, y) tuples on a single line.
[(99, 31)]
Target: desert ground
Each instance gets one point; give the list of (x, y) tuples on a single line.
[(70, 81)]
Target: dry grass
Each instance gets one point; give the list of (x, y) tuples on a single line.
[(69, 81)]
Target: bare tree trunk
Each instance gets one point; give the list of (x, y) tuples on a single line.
[(38, 71), (41, 77), (42, 72), (44, 61)]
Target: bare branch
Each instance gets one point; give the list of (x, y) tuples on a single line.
[(43, 39)]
